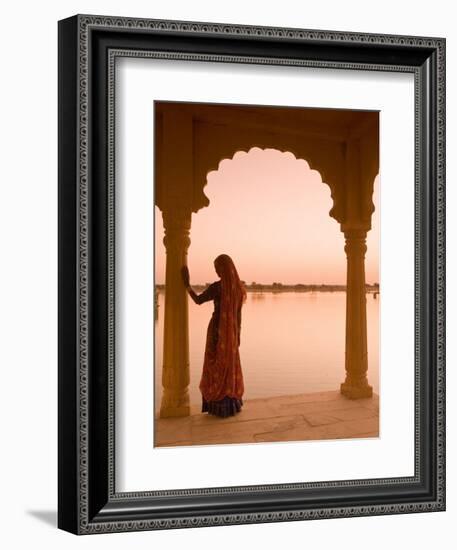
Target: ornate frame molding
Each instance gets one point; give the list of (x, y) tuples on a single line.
[(80, 511)]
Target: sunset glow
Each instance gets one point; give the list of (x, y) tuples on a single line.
[(270, 212)]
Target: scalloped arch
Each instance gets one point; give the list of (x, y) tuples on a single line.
[(215, 165)]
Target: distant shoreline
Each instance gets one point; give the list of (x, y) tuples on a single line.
[(279, 287)]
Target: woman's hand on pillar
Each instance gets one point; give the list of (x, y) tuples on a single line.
[(185, 276)]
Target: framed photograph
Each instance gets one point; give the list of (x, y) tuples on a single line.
[(251, 274)]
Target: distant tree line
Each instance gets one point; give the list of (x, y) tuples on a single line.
[(281, 287)]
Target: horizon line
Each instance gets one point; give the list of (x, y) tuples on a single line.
[(279, 283)]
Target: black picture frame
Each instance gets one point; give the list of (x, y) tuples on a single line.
[(87, 501)]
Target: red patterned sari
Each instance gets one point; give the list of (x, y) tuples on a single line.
[(221, 384)]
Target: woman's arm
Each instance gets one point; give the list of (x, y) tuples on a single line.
[(193, 295), (205, 296)]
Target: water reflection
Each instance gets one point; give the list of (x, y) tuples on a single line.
[(291, 342)]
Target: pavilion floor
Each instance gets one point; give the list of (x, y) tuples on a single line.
[(310, 416)]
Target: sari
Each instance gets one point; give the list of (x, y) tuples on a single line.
[(221, 383)]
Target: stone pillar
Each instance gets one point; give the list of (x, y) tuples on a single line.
[(175, 374), (356, 384)]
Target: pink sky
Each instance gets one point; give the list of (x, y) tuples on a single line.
[(269, 212)]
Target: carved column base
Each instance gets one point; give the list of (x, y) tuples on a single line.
[(174, 405), (352, 391)]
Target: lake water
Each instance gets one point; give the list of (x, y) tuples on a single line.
[(291, 342)]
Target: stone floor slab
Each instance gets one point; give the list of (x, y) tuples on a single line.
[(300, 417)]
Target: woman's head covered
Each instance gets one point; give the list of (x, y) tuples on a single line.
[(226, 270), (223, 263)]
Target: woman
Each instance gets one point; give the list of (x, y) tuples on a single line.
[(221, 383)]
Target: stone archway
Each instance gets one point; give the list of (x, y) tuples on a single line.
[(191, 140)]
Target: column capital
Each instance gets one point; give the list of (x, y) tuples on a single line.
[(354, 232), (176, 238), (176, 218), (177, 225), (356, 242)]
